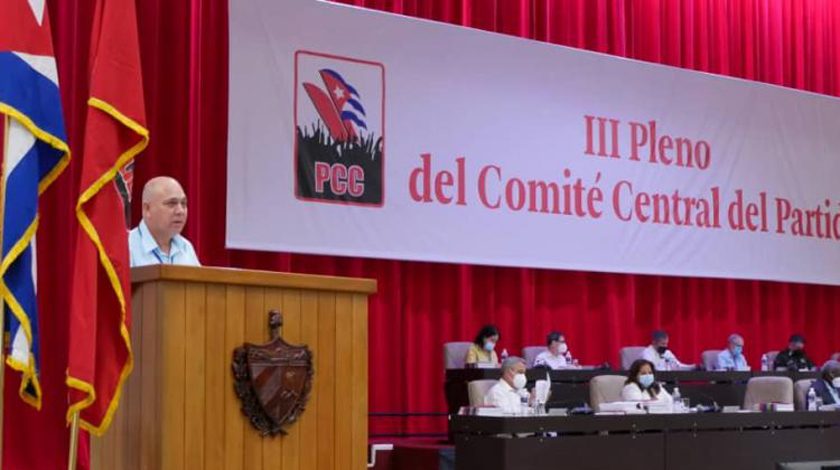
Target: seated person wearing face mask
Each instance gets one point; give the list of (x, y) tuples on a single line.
[(640, 385), (509, 391), (660, 356), (827, 386), (482, 349), (557, 356), (732, 358), (793, 358)]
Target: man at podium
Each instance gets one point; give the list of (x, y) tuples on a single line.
[(158, 240)]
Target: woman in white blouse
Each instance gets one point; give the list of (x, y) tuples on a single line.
[(640, 384)]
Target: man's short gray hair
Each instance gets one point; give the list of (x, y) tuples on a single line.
[(830, 365), (733, 337), (512, 361)]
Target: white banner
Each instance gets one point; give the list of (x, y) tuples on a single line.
[(359, 133)]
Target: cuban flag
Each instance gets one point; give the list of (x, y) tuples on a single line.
[(35, 153), (340, 106)]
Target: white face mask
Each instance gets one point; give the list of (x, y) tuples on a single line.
[(563, 348), (489, 346), (836, 382), (519, 381)]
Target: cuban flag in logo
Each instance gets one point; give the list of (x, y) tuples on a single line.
[(35, 153), (340, 106)]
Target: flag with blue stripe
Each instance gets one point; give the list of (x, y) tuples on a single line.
[(35, 153)]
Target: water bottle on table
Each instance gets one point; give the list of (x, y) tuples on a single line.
[(812, 400), (677, 400)]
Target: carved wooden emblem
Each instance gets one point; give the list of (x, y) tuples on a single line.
[(273, 380)]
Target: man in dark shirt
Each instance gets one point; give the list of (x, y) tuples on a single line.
[(793, 358)]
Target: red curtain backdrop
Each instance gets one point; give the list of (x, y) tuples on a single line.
[(420, 306)]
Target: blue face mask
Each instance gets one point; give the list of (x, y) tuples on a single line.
[(737, 351), (646, 380), (489, 346)]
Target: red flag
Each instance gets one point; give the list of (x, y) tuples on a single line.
[(100, 317)]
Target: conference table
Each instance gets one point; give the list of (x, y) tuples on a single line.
[(570, 387), (688, 441)]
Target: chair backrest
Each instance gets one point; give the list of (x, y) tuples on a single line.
[(477, 389), (530, 353), (455, 353), (800, 394), (627, 355), (768, 390), (709, 358), (771, 358), (605, 389)]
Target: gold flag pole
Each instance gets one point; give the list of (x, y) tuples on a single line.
[(6, 123), (74, 442)]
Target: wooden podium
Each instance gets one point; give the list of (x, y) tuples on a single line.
[(178, 409)]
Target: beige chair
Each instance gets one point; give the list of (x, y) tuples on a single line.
[(530, 353), (477, 389), (627, 355), (709, 358), (771, 358), (800, 394), (605, 389), (455, 353), (762, 390)]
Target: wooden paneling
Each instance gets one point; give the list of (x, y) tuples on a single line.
[(292, 333), (272, 447), (359, 386), (325, 384), (308, 425), (255, 332), (179, 410), (217, 363), (343, 373), (194, 374), (234, 337), (148, 362), (173, 367)]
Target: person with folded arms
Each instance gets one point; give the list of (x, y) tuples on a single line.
[(793, 358), (557, 356), (483, 348), (660, 356), (827, 386), (641, 385), (509, 393), (732, 358)]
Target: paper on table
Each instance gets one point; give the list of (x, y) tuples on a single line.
[(542, 388)]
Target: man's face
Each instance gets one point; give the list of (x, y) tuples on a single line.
[(555, 346), (796, 345), (661, 343), (735, 344), (166, 210), (513, 371)]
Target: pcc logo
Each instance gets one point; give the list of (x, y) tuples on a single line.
[(339, 129)]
